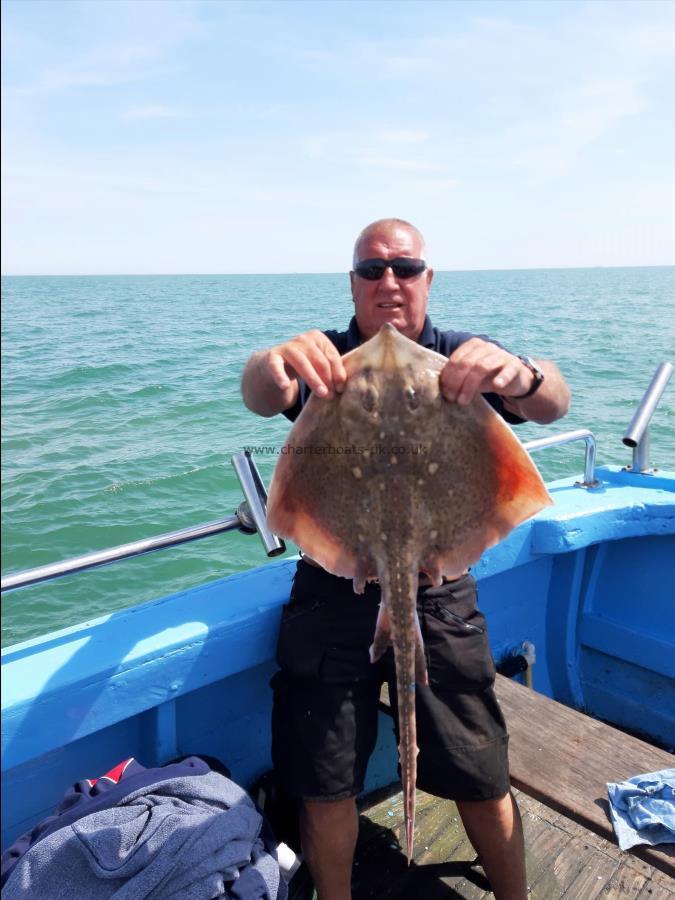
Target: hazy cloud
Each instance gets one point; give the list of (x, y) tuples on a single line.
[(153, 111)]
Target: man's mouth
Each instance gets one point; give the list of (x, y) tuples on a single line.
[(389, 305)]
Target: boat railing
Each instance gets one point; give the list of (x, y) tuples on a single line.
[(568, 437), (637, 433), (251, 517)]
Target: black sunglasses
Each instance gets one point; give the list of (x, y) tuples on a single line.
[(402, 267)]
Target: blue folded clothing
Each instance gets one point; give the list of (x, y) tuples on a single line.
[(643, 809)]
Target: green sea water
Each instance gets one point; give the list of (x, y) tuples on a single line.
[(121, 405)]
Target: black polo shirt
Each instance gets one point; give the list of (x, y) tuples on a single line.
[(443, 342)]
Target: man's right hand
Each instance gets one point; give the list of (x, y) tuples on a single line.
[(312, 357), (269, 384)]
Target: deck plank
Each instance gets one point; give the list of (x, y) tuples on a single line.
[(597, 872), (564, 859), (654, 891), (626, 883), (543, 843), (560, 871), (566, 760)]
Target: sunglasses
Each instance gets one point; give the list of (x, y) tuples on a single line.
[(402, 267)]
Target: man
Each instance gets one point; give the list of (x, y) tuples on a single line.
[(326, 692)]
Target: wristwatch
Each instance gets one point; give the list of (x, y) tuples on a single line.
[(538, 378)]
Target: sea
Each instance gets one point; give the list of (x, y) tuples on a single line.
[(121, 406)]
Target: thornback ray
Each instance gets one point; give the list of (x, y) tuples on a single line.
[(387, 480)]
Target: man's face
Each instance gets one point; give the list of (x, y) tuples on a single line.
[(403, 302)]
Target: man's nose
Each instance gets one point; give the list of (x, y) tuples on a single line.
[(389, 280)]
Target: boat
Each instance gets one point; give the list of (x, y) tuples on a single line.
[(579, 602)]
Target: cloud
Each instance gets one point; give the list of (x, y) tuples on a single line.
[(397, 164), (517, 118), (404, 137), (100, 44), (550, 143), (104, 66), (153, 111), (381, 148)]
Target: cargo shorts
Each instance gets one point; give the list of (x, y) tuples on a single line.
[(326, 692)]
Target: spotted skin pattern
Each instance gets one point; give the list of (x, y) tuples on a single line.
[(387, 480)]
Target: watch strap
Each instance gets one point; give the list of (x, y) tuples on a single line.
[(538, 378)]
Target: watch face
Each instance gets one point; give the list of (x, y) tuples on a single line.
[(534, 368), (538, 377)]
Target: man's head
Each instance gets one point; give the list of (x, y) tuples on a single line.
[(391, 298)]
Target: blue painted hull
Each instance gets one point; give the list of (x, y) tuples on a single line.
[(590, 582)]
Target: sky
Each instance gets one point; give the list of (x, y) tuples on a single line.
[(162, 136)]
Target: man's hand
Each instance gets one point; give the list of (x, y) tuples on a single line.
[(269, 384), (479, 367), (312, 357)]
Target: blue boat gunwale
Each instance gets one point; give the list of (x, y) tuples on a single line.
[(64, 688), (196, 620)]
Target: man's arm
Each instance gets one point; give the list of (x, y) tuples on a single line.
[(269, 383), (478, 366), (551, 401)]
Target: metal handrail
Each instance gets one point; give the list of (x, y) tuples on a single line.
[(250, 517), (115, 554), (567, 437), (637, 433)]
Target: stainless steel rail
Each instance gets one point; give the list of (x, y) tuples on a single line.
[(250, 517), (567, 437), (113, 554), (256, 498), (637, 433)]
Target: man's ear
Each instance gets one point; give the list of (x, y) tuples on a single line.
[(352, 276), (430, 277)]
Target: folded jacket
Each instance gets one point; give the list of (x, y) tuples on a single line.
[(193, 837)]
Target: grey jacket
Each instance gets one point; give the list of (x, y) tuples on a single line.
[(193, 838)]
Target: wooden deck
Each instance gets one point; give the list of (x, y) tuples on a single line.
[(570, 847), (563, 858), (568, 758)]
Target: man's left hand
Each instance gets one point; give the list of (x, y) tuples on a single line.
[(479, 367)]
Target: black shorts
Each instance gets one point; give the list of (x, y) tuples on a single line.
[(326, 694)]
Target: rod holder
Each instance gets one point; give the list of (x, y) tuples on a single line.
[(256, 498), (637, 433)]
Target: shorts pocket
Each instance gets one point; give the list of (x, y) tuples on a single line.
[(456, 642), (346, 665), (300, 646)]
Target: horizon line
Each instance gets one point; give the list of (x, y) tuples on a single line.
[(294, 273)]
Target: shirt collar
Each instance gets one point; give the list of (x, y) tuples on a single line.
[(426, 338)]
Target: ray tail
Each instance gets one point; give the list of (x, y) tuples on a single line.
[(399, 598)]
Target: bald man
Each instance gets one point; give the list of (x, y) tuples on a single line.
[(324, 723)]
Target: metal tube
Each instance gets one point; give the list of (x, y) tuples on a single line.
[(641, 453), (567, 437), (256, 497), (255, 514), (113, 554), (645, 410)]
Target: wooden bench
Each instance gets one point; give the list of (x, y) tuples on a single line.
[(564, 759)]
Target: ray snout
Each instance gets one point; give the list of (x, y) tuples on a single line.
[(388, 351)]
